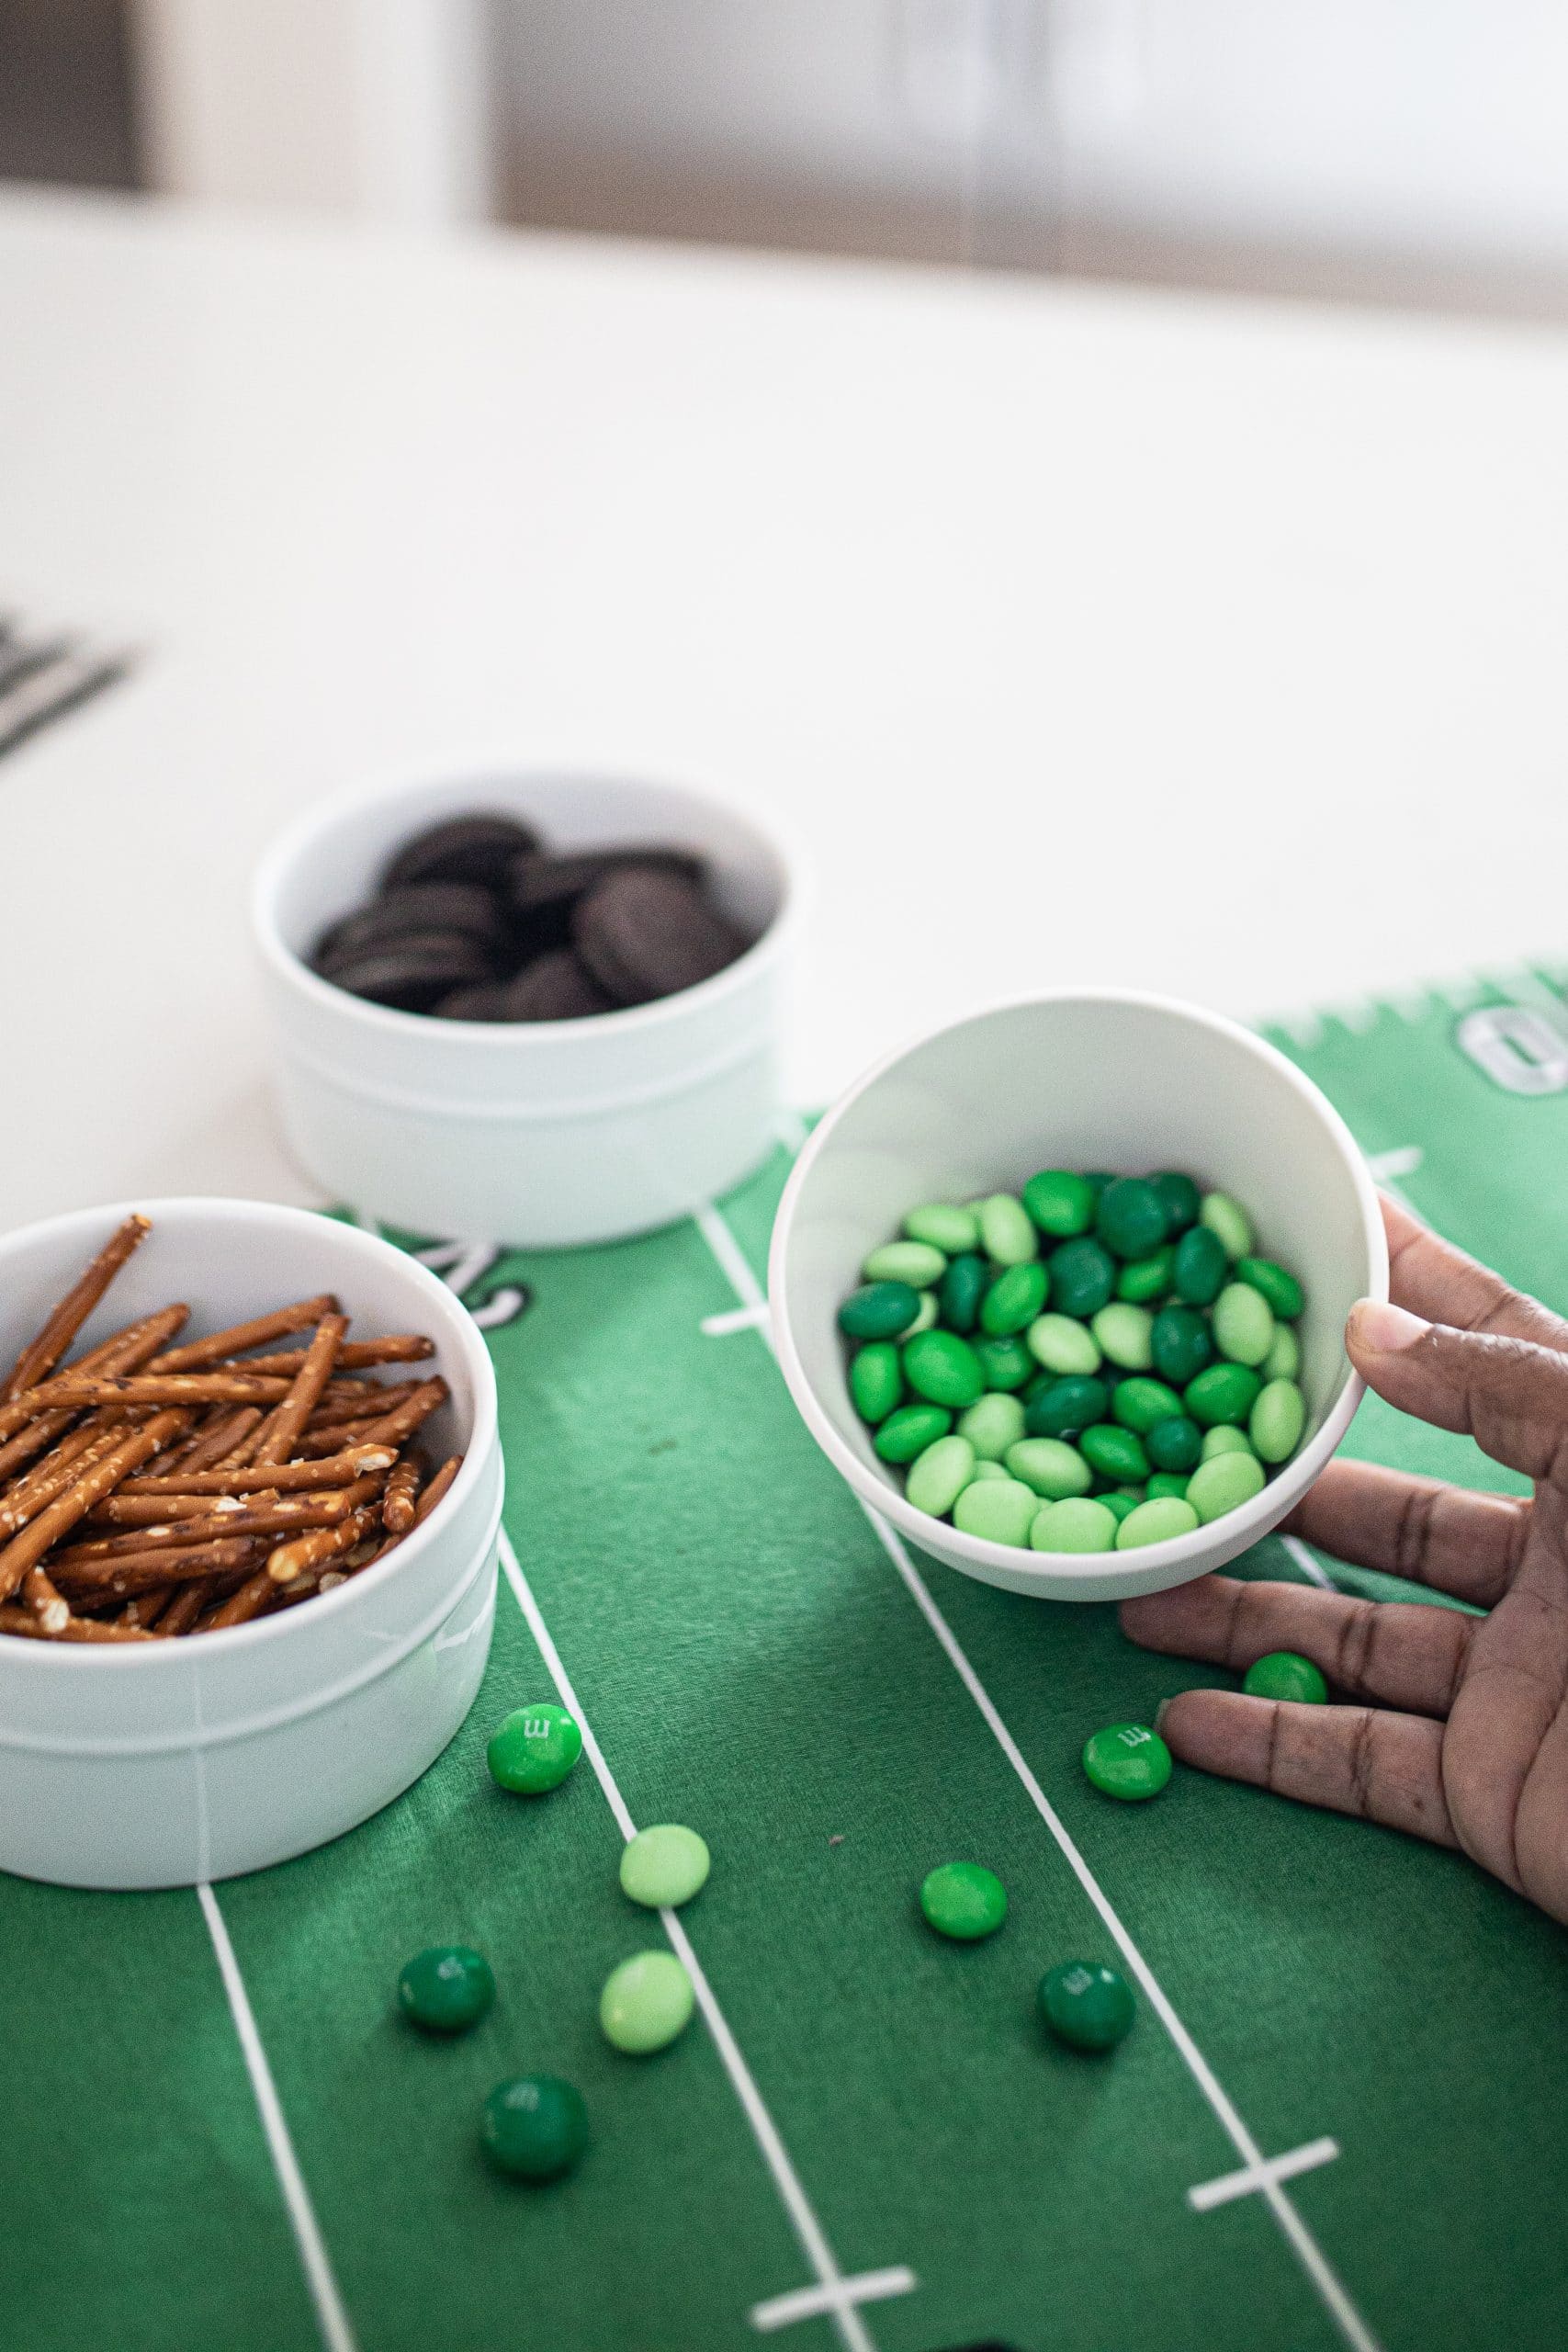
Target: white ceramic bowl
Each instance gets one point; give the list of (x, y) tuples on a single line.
[(543, 1134), (167, 1763), (1078, 1079)]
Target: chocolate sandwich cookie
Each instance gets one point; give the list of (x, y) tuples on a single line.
[(554, 988), (414, 973), (485, 1001), (541, 880), (466, 908), (645, 933), (462, 849)]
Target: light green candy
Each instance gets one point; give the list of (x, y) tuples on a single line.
[(915, 1262), (1157, 1523), (1223, 1483), (987, 1470), (1224, 1440), (1075, 1524), (1001, 1510), (1283, 1360), (992, 1425), (930, 1309), (1125, 1335), (946, 1226), (1007, 1231), (1230, 1221), (1051, 1466), (664, 1867), (1277, 1421), (1062, 1345), (1244, 1324), (938, 1476), (646, 2003)]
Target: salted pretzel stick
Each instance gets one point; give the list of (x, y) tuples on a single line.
[(90, 1583), (142, 1388), (398, 1497), (333, 1470), (143, 1510), (400, 1347), (397, 1428), (213, 1434), (256, 1596), (75, 1629), (373, 1398), (264, 1516), (25, 1550), (46, 1600), (187, 1607), (436, 1491), (26, 1495), (146, 1608), (289, 1421), (42, 1355), (122, 1351), (220, 1345), (290, 1560)]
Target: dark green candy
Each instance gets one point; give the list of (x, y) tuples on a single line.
[(1060, 1203), (879, 1310), (535, 2127), (876, 1380), (1014, 1299), (446, 1989), (1096, 1180), (944, 1369), (1083, 1276), (1143, 1279), (1282, 1290), (1176, 1444), (1285, 1673), (1200, 1269), (1162, 1483), (1115, 1453), (1225, 1392), (1129, 1217), (1006, 1363), (1182, 1344), (1140, 1403), (910, 1430), (1086, 2005), (1062, 1408), (1179, 1197), (963, 1287)]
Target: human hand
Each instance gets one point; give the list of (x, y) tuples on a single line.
[(1466, 1740)]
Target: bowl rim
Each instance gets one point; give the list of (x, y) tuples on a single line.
[(292, 847), (465, 1336), (1252, 1521)]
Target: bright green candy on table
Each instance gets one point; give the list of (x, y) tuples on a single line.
[(663, 1867), (1127, 1761), (964, 1900), (533, 1749), (534, 2127), (446, 1989), (1086, 2005), (646, 2003)]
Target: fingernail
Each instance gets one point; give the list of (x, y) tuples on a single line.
[(1160, 1712), (1385, 1329)]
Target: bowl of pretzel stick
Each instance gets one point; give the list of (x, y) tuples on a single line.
[(250, 1494)]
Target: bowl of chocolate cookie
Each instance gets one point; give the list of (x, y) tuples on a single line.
[(534, 1008)]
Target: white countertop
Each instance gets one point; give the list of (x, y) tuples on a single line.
[(1191, 644)]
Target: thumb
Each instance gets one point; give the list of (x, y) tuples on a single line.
[(1509, 1394)]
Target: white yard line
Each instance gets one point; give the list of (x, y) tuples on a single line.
[(811, 2303), (727, 1252), (337, 2333), (1308, 1566), (838, 2301), (1252, 2178), (735, 1319)]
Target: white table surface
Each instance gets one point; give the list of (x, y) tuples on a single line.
[(1191, 644)]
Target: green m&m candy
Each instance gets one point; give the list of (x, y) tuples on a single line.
[(1086, 2005), (663, 1867), (534, 2127), (534, 1750), (964, 1900), (1284, 1674), (1127, 1761), (446, 1989), (646, 2003)]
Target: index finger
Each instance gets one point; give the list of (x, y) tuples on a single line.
[(1438, 1282)]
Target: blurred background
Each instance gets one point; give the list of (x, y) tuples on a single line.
[(1403, 152)]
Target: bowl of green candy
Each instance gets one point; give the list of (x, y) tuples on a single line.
[(1061, 1291)]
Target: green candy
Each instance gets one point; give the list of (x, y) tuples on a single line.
[(1243, 1324), (1180, 1344), (926, 1318), (1060, 1203), (1063, 1346), (1225, 1392), (1130, 1217), (876, 1380), (1223, 1439), (1062, 1408), (1283, 1360), (1179, 1197), (1075, 1524), (946, 1227), (985, 1470), (1285, 1673), (1223, 1483), (963, 1287), (646, 2003), (1282, 1290), (879, 1310), (1122, 1502), (1174, 1444), (1160, 1521), (1164, 1482), (535, 2127), (663, 1867), (1142, 1405), (1014, 1299), (964, 1900), (1277, 1420), (1228, 1221), (1146, 1278), (998, 1510), (944, 1369), (992, 1425), (1053, 1468), (1085, 2005), (533, 1749), (1115, 1453), (1127, 1761), (446, 1989), (1083, 1275), (1007, 1233), (938, 1476), (1006, 1363), (908, 1432), (1198, 1269), (1125, 1335), (915, 1262)]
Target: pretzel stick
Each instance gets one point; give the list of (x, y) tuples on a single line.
[(147, 1607), (256, 1596), (401, 1347), (90, 1583), (122, 1351), (221, 1345), (187, 1607), (399, 1496), (284, 1477), (290, 1560), (264, 1516), (437, 1489), (26, 1495), (42, 1355), (75, 1629), (48, 1603), (397, 1428), (143, 1510), (24, 1551), (289, 1421)]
